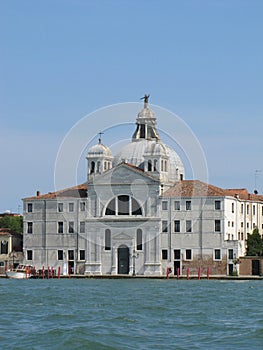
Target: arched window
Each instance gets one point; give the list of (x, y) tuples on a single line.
[(123, 205), (107, 239), (92, 167), (161, 165), (149, 165), (111, 208), (136, 209), (139, 239), (165, 165), (105, 165), (155, 165), (98, 167)]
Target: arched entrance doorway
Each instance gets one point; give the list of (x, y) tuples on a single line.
[(123, 260)]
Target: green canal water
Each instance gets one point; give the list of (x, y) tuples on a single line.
[(131, 314)]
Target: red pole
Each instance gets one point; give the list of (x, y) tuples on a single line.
[(178, 272), (199, 273), (52, 272), (43, 272), (188, 272), (58, 272), (208, 272)]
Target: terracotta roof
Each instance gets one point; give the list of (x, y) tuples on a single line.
[(79, 191), (242, 193), (193, 188), (7, 231), (196, 188)]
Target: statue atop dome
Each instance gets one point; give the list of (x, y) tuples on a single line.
[(146, 100)]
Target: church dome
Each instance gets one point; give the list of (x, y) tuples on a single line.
[(146, 143), (134, 153)]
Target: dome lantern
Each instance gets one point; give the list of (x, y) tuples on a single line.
[(146, 124)]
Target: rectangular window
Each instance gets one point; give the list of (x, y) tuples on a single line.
[(188, 254), (254, 210), (164, 254), (217, 254), (217, 226), (30, 227), (177, 226), (164, 205), (242, 224), (177, 205), (29, 207), (29, 254), (233, 207), (82, 227), (60, 254), (60, 227), (188, 205), (247, 224), (164, 226), (4, 248), (71, 207), (82, 255), (217, 205), (188, 226), (230, 254), (71, 227), (60, 207), (242, 208), (247, 209), (177, 254), (71, 254), (82, 207), (139, 239)]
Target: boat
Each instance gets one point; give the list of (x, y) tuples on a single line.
[(20, 272)]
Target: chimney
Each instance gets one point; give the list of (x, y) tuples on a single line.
[(38, 193)]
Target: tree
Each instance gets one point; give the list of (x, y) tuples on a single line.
[(15, 223), (254, 244)]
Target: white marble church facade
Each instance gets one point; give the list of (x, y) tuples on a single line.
[(137, 215)]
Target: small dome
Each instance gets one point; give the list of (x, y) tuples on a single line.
[(99, 150), (155, 149), (146, 113)]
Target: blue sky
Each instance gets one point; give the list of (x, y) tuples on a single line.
[(61, 60)]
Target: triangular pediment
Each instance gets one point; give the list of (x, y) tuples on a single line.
[(122, 237), (122, 174)]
